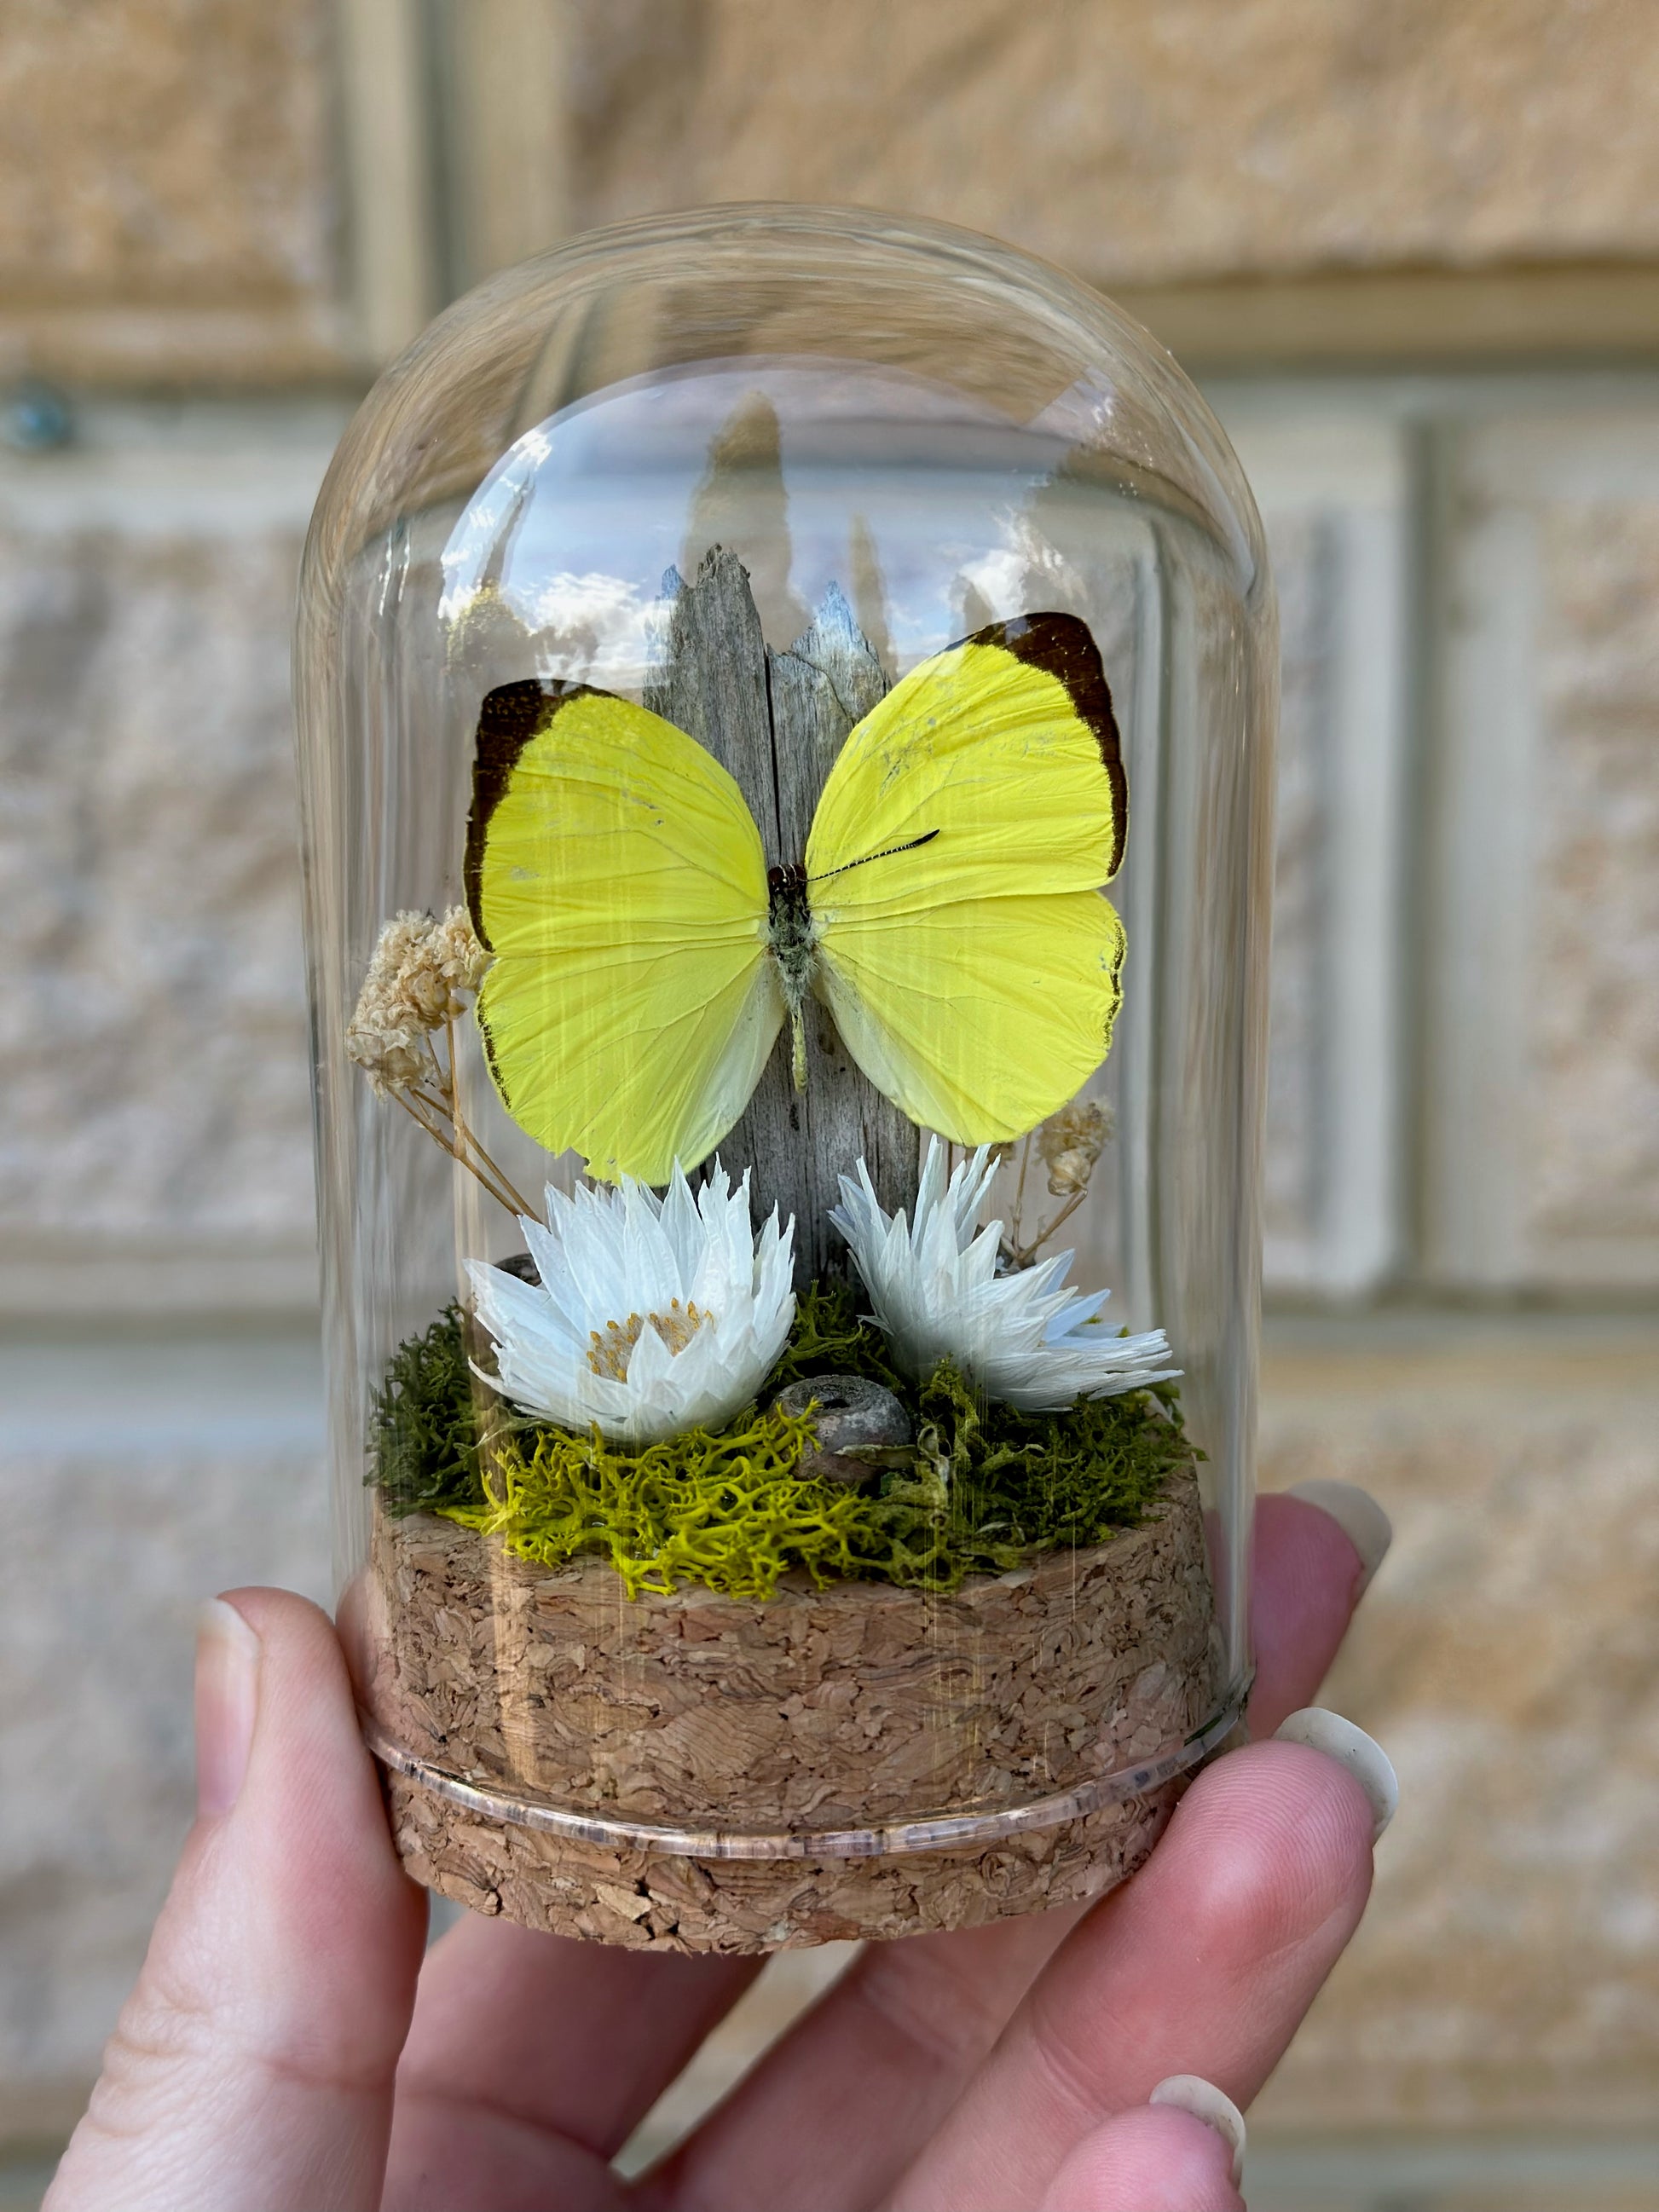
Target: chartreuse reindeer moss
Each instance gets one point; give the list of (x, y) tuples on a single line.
[(989, 1488), (729, 1510)]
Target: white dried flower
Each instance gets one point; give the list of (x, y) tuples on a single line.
[(418, 974), (1070, 1141), (454, 949), (1024, 1337), (1069, 1173), (652, 1314)]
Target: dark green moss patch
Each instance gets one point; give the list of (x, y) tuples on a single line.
[(989, 1488), (423, 1427), (828, 1338)]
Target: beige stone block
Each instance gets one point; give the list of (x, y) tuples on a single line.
[(153, 1025), (1507, 1657), (1541, 891), (1142, 145), (167, 189), (1594, 1105), (170, 147), (1304, 556)]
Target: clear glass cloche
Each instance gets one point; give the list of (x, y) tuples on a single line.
[(786, 707)]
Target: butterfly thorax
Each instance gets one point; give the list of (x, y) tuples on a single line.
[(792, 940)]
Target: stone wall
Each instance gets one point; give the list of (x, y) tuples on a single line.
[(1507, 1975), (149, 753), (167, 200), (218, 192), (1194, 140), (1596, 1032), (1463, 1175), (1542, 1159), (148, 864)]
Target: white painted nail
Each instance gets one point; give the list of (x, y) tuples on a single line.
[(1357, 1514), (226, 1704), (1191, 2093), (1364, 1757)]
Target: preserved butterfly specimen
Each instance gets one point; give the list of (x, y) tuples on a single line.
[(948, 910)]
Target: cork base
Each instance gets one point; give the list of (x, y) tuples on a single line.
[(652, 1901), (697, 1773)]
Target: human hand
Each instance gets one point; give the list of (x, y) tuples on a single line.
[(287, 2050)]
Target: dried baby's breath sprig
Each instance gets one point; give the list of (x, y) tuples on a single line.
[(1068, 1144), (421, 974)]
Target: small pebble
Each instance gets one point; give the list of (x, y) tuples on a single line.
[(852, 1416)]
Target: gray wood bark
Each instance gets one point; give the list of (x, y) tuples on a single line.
[(776, 721)]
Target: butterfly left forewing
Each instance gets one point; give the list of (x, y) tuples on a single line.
[(976, 976), (617, 876)]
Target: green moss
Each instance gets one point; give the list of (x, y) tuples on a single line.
[(830, 1338), (423, 1426), (989, 1488), (994, 1487), (730, 1510)]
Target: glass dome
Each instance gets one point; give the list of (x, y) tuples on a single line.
[(786, 704)]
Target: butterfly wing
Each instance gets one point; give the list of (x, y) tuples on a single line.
[(617, 875), (976, 976)]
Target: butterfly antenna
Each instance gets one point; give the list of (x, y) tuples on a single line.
[(824, 875)]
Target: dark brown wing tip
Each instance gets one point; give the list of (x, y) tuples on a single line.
[(1063, 646), (510, 717), (487, 1039)]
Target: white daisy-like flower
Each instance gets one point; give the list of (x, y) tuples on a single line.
[(652, 1314), (1026, 1337)]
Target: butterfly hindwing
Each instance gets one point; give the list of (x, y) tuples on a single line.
[(616, 874), (974, 976)]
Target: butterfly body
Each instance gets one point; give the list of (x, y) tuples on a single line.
[(792, 939), (948, 908)]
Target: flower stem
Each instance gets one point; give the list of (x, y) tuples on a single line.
[(468, 1138), (487, 1174), (1020, 1188), (452, 1085), (1062, 1216), (481, 1162), (1023, 1254)]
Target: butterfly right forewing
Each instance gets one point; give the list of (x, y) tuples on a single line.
[(976, 976)]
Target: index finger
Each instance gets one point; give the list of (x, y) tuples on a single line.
[(903, 2031), (1311, 1571)]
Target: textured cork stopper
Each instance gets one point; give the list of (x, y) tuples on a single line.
[(744, 1727)]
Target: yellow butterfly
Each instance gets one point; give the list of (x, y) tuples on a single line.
[(948, 908)]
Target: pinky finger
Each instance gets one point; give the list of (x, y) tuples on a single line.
[(1159, 2157)]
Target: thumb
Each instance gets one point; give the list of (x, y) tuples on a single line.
[(251, 2068)]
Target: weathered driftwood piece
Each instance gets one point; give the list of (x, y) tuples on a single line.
[(847, 1708), (775, 721)]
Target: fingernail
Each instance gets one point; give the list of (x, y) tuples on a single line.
[(226, 1699), (1191, 2093), (1357, 1514), (1364, 1757)]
